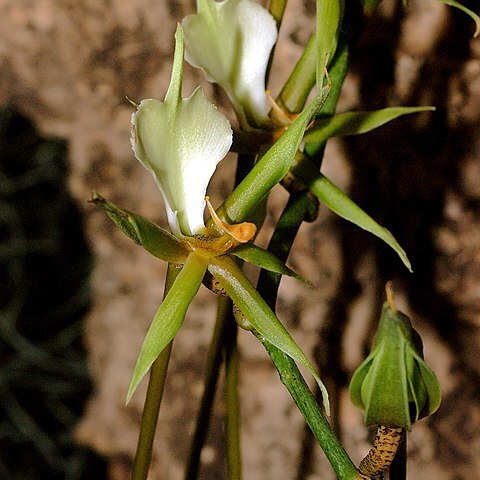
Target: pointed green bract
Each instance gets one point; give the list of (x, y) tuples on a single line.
[(394, 385), (272, 167), (121, 218), (169, 316), (151, 237), (231, 42), (263, 258), (432, 387), (356, 123), (259, 314), (180, 141), (384, 390), (338, 202)]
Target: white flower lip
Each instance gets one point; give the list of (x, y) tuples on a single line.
[(231, 42), (180, 141)]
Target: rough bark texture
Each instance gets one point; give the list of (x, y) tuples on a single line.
[(69, 66)]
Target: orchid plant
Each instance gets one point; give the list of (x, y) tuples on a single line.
[(181, 141)]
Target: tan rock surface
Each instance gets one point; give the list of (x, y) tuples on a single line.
[(69, 65)]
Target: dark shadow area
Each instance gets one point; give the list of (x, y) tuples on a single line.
[(402, 171), (45, 265), (400, 175)]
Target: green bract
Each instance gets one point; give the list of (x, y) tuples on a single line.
[(196, 255), (338, 202), (151, 237), (394, 385), (231, 42), (180, 141), (356, 123)]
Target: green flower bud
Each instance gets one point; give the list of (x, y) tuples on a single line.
[(394, 385)]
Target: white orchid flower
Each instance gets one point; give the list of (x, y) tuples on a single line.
[(231, 42), (180, 141)]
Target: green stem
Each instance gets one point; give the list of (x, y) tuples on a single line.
[(276, 9), (306, 403), (298, 209), (234, 458), (153, 399), (338, 70), (295, 92), (212, 368), (220, 340)]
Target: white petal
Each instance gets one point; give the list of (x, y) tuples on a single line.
[(181, 141), (231, 42)]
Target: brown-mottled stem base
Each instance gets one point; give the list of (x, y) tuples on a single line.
[(382, 453)]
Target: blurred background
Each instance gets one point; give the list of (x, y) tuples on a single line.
[(76, 296), (45, 293)]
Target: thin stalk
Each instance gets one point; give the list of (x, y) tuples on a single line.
[(276, 9), (398, 468), (212, 369), (338, 69), (296, 89), (299, 208), (306, 403), (295, 92), (153, 399), (234, 458)]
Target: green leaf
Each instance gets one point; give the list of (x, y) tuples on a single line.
[(169, 316), (159, 242), (474, 16), (271, 168), (259, 314), (265, 259), (338, 202), (151, 237), (356, 123)]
